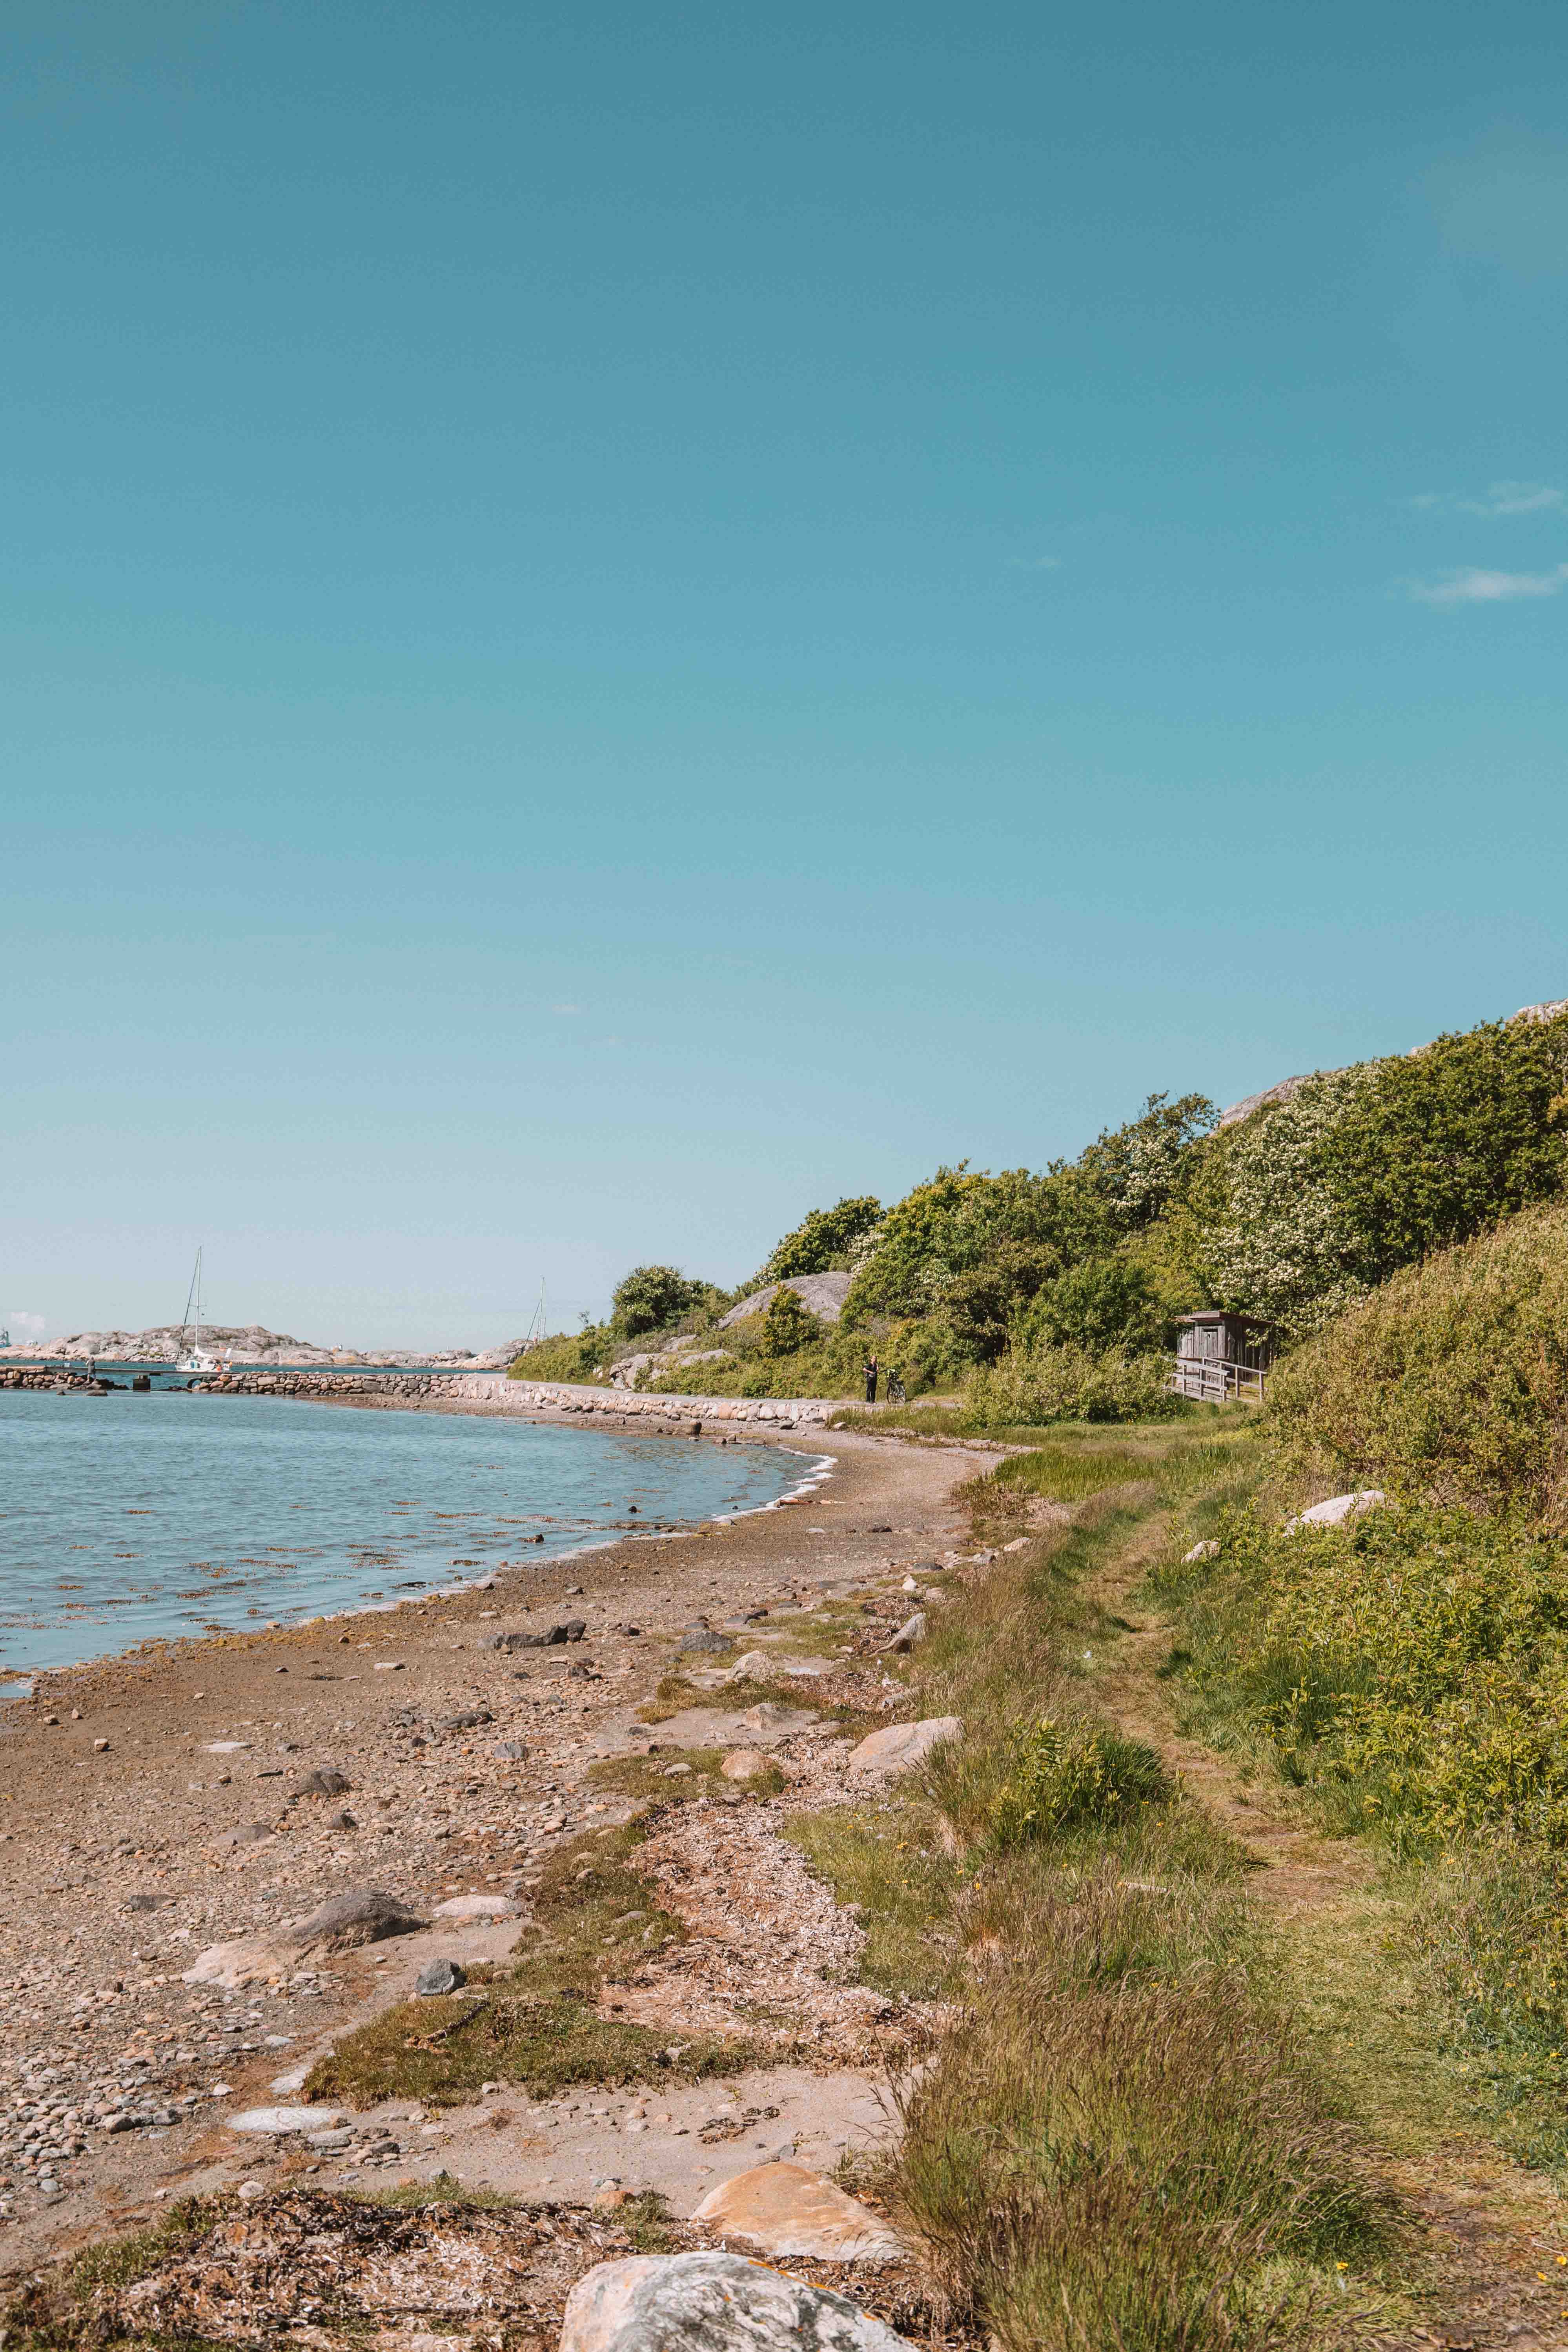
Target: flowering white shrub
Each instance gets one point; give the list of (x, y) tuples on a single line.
[(1288, 1249)]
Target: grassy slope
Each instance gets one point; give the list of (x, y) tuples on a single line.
[(1351, 2120)]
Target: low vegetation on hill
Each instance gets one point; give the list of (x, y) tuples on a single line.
[(1053, 1294)]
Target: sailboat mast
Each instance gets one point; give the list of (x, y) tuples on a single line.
[(194, 1293)]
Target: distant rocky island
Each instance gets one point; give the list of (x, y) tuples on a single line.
[(251, 1343)]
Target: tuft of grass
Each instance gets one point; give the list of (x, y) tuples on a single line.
[(644, 1775), (1067, 1775), (446, 2193), (1066, 1474), (1091, 2164)]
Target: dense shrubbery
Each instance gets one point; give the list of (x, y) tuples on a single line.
[(564, 1356), (1312, 1203), (1038, 1385), (1064, 1774), (788, 1326), (1410, 1668)]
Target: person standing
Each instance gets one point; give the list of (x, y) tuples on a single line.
[(872, 1378)]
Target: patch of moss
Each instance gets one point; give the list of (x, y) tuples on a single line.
[(542, 2042)]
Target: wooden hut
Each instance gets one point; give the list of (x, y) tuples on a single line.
[(1221, 1356)]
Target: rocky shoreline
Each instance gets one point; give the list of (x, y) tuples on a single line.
[(535, 1400), (164, 1800)]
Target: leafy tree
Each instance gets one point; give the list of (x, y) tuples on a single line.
[(1139, 1170), (788, 1325), (825, 1239), (1439, 1145), (982, 1306), (948, 1227), (1107, 1302), (651, 1296)]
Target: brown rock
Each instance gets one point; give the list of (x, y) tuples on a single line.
[(785, 2210)]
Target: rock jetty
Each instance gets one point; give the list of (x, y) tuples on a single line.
[(685, 1415)]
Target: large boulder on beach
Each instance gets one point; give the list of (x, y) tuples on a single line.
[(821, 1295), (714, 2303), (364, 1916), (784, 2208)]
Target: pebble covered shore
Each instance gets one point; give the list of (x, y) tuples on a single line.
[(162, 1802)]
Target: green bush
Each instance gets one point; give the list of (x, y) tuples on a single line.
[(981, 1307), (1451, 1380), (1061, 1775), (565, 1356), (1311, 1202), (788, 1326), (1036, 1386), (947, 1228), (651, 1298)]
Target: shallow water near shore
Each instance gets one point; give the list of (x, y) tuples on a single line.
[(126, 1519)]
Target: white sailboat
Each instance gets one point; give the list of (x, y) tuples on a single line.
[(194, 1359)]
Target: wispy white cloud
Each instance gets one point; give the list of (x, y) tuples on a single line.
[(1474, 586), (567, 1008), (1035, 562), (1513, 498), (23, 1326), (1501, 498)]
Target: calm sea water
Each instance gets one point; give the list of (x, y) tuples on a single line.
[(124, 1518)]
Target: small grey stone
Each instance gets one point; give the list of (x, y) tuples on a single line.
[(344, 1821), (251, 1833), (512, 1751), (702, 1638), (440, 1976), (326, 1781)]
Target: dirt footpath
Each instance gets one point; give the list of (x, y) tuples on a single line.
[(155, 1806)]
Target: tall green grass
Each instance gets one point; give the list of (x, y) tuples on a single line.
[(1120, 2146)]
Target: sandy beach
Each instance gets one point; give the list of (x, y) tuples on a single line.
[(155, 1806)]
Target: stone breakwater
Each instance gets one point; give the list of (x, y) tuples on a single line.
[(554, 1399), (60, 1383)]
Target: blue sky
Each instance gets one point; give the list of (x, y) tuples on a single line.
[(620, 621)]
